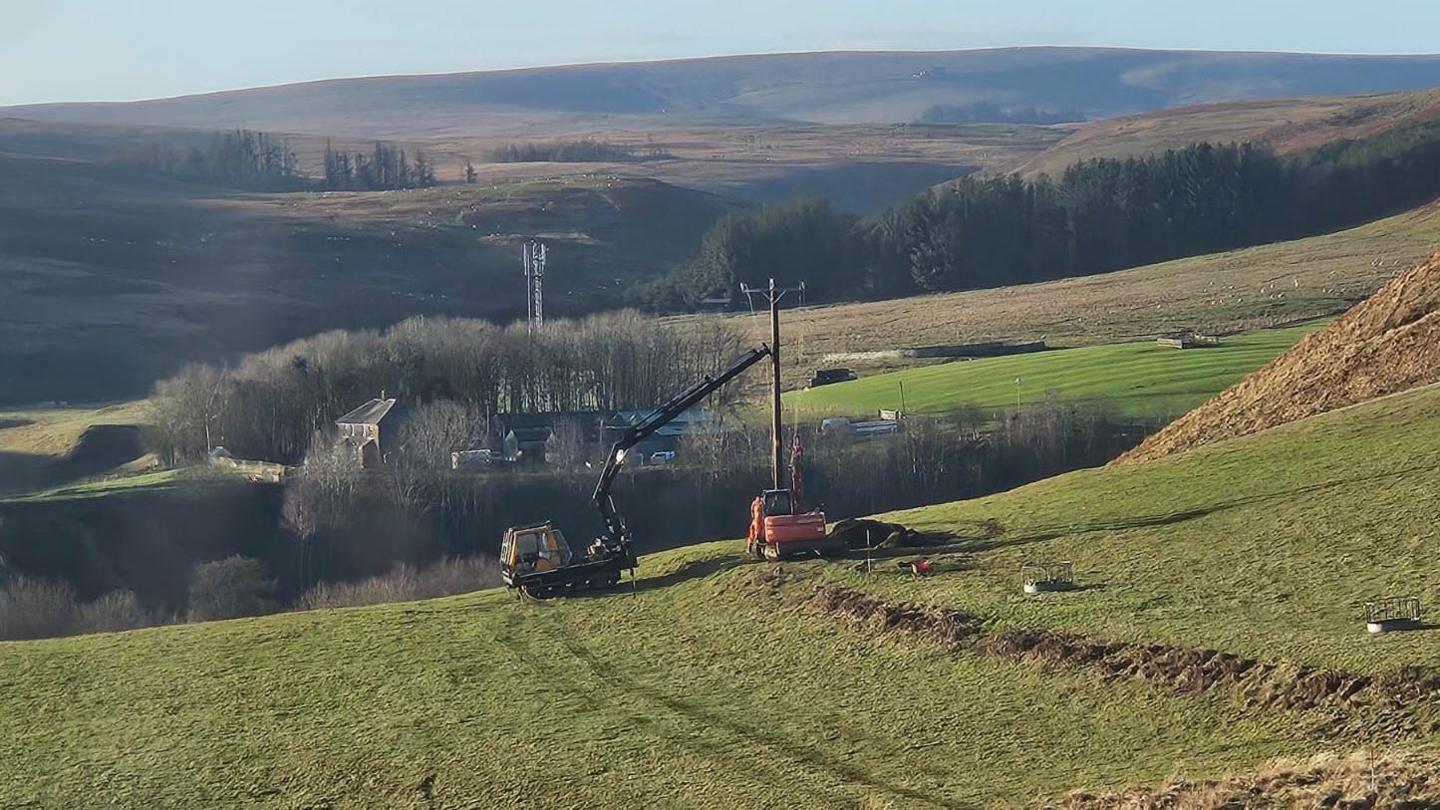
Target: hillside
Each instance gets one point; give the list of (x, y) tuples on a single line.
[(1239, 290), (827, 87), (113, 278), (1388, 343), (1218, 629), (1285, 125), (861, 168)]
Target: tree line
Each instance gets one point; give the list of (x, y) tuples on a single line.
[(383, 167), (989, 112), (239, 159), (584, 150), (271, 404), (1099, 215)]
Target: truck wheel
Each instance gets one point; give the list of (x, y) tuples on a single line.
[(772, 551), (537, 591)]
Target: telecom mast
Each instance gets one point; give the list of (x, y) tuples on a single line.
[(534, 261)]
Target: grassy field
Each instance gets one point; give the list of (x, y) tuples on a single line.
[(1137, 379), (1272, 285), (698, 693), (1267, 546), (39, 445), (706, 688)]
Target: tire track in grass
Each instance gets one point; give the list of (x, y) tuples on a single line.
[(809, 758), (606, 700), (782, 759)]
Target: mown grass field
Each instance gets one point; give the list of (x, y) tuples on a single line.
[(703, 689), (1136, 379)]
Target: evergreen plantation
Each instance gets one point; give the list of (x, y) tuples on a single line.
[(1099, 215)]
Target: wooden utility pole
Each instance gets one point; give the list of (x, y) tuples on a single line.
[(773, 294), (777, 472)]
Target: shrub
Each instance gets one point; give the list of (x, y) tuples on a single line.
[(31, 607), (36, 608), (117, 610), (404, 584), (230, 588)]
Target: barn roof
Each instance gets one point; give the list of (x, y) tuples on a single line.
[(527, 435), (371, 413)]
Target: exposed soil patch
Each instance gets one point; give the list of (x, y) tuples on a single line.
[(1388, 343), (1388, 702), (858, 533), (1362, 780)]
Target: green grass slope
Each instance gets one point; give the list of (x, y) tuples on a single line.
[(698, 693), (1137, 379), (1267, 546), (705, 688)]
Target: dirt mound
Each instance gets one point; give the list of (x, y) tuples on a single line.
[(1362, 780), (1389, 701), (867, 533), (1388, 343)]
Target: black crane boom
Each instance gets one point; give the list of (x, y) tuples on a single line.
[(617, 537)]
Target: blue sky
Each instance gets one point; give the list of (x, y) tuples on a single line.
[(72, 50)]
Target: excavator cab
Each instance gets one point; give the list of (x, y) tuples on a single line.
[(778, 502)]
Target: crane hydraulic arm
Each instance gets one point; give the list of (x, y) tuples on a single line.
[(616, 539)]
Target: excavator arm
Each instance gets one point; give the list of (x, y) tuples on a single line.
[(616, 539)]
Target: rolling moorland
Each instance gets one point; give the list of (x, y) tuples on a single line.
[(1286, 125), (815, 88), (861, 168), (113, 279), (116, 278)]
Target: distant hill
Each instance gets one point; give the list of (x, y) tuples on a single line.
[(110, 278), (827, 87), (1286, 125)]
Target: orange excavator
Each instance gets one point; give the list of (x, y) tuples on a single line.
[(779, 530)]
